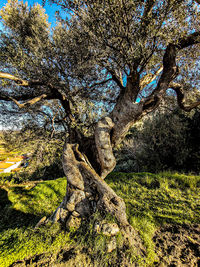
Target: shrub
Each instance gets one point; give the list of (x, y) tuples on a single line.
[(166, 141)]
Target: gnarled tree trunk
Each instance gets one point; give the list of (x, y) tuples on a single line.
[(87, 164), (86, 187)]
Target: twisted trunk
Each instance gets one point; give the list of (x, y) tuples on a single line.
[(86, 187), (87, 164), (87, 190)]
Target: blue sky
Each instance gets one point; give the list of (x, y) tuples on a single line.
[(50, 9)]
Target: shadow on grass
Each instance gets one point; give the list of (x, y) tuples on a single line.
[(11, 218), (53, 189)]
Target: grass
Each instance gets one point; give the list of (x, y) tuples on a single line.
[(160, 198), (40, 200), (151, 199), (21, 208)]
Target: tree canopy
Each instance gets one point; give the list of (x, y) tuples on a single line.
[(103, 50)]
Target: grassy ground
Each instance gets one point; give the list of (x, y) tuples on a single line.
[(22, 208), (152, 201)]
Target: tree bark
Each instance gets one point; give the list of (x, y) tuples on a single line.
[(87, 164), (87, 190)]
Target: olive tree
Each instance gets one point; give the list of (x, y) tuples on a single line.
[(116, 57)]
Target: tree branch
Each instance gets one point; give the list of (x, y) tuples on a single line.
[(149, 78), (30, 102), (170, 69), (54, 93), (100, 83), (178, 88), (18, 81), (116, 79), (189, 40)]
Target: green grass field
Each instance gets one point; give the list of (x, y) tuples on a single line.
[(152, 200)]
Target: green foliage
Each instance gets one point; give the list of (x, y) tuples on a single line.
[(15, 13), (43, 149), (6, 178), (151, 199), (166, 141), (29, 26), (124, 32), (126, 35)]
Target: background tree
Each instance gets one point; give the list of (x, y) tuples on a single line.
[(165, 140), (42, 148), (122, 55)]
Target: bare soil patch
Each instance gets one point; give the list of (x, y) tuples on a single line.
[(178, 246)]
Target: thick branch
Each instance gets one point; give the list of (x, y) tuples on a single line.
[(170, 70), (181, 98), (149, 78), (54, 93), (126, 112), (30, 102), (19, 81), (104, 147), (117, 80), (189, 40)]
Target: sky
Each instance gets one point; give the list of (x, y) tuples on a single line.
[(50, 9)]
